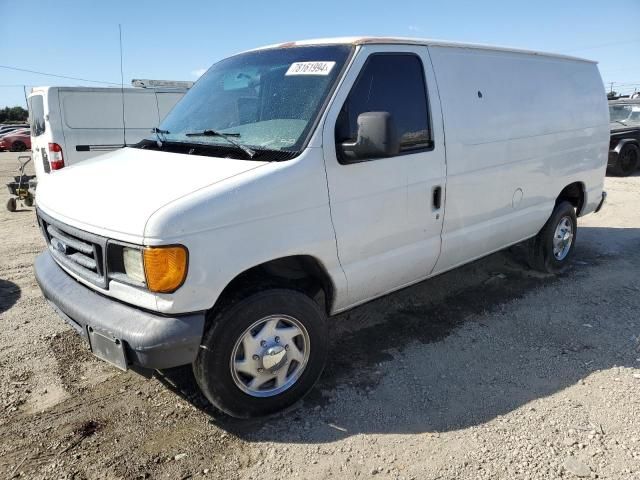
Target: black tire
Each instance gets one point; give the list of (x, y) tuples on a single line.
[(627, 161), (11, 204), (18, 147), (541, 254), (28, 201), (212, 368)]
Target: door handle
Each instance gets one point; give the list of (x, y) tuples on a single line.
[(436, 197)]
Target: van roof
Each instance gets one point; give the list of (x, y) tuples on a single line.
[(414, 41)]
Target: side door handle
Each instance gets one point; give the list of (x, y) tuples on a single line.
[(436, 197)]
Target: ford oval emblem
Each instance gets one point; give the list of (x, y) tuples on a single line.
[(59, 246)]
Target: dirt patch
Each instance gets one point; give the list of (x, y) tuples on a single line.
[(72, 356), (45, 397)]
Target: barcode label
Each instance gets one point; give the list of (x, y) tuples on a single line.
[(310, 68)]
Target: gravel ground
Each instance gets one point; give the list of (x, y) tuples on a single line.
[(489, 371)]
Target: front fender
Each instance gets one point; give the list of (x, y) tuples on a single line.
[(277, 211)]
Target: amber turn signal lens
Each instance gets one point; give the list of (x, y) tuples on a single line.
[(165, 268)]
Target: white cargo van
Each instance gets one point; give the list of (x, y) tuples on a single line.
[(71, 124), (297, 181)]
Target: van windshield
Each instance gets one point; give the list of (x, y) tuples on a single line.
[(266, 99), (626, 114)]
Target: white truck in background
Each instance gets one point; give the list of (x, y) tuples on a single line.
[(72, 124)]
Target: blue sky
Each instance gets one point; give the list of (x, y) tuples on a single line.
[(176, 40)]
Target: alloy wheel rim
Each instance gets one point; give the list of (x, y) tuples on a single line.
[(270, 356), (563, 238)]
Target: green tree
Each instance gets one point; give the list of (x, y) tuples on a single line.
[(13, 115)]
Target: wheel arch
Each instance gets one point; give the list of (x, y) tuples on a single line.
[(624, 141), (574, 193), (304, 273)]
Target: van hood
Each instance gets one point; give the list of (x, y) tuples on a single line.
[(115, 194)]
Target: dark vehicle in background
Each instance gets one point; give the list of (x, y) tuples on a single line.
[(16, 140), (624, 146)]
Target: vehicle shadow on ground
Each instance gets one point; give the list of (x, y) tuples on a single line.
[(23, 209), (9, 294), (483, 359)]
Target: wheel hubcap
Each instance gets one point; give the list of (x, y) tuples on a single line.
[(270, 356), (274, 358), (563, 238)]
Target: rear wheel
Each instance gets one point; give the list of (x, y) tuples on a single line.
[(552, 248), (11, 204), (262, 354), (627, 161)]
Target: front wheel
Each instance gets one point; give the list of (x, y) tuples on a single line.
[(262, 354), (552, 248)]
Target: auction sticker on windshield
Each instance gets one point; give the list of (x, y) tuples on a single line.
[(310, 68)]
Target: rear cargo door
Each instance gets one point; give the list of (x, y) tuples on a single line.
[(39, 134)]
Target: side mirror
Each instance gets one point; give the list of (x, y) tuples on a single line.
[(377, 138)]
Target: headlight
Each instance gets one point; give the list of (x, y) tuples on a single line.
[(162, 269), (133, 266)]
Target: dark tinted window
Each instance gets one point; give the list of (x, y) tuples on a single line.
[(36, 115), (391, 83)]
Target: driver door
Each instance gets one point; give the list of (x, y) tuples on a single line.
[(387, 212)]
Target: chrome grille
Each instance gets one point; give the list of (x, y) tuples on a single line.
[(80, 252)]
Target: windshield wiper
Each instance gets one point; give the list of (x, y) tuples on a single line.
[(621, 122), (160, 139), (226, 136)]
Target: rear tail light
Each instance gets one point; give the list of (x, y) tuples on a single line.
[(55, 156)]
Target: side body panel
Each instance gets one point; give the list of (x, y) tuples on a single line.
[(519, 128), (92, 119)]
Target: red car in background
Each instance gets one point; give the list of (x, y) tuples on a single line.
[(16, 141)]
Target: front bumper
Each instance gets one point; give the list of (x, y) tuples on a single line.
[(150, 340)]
